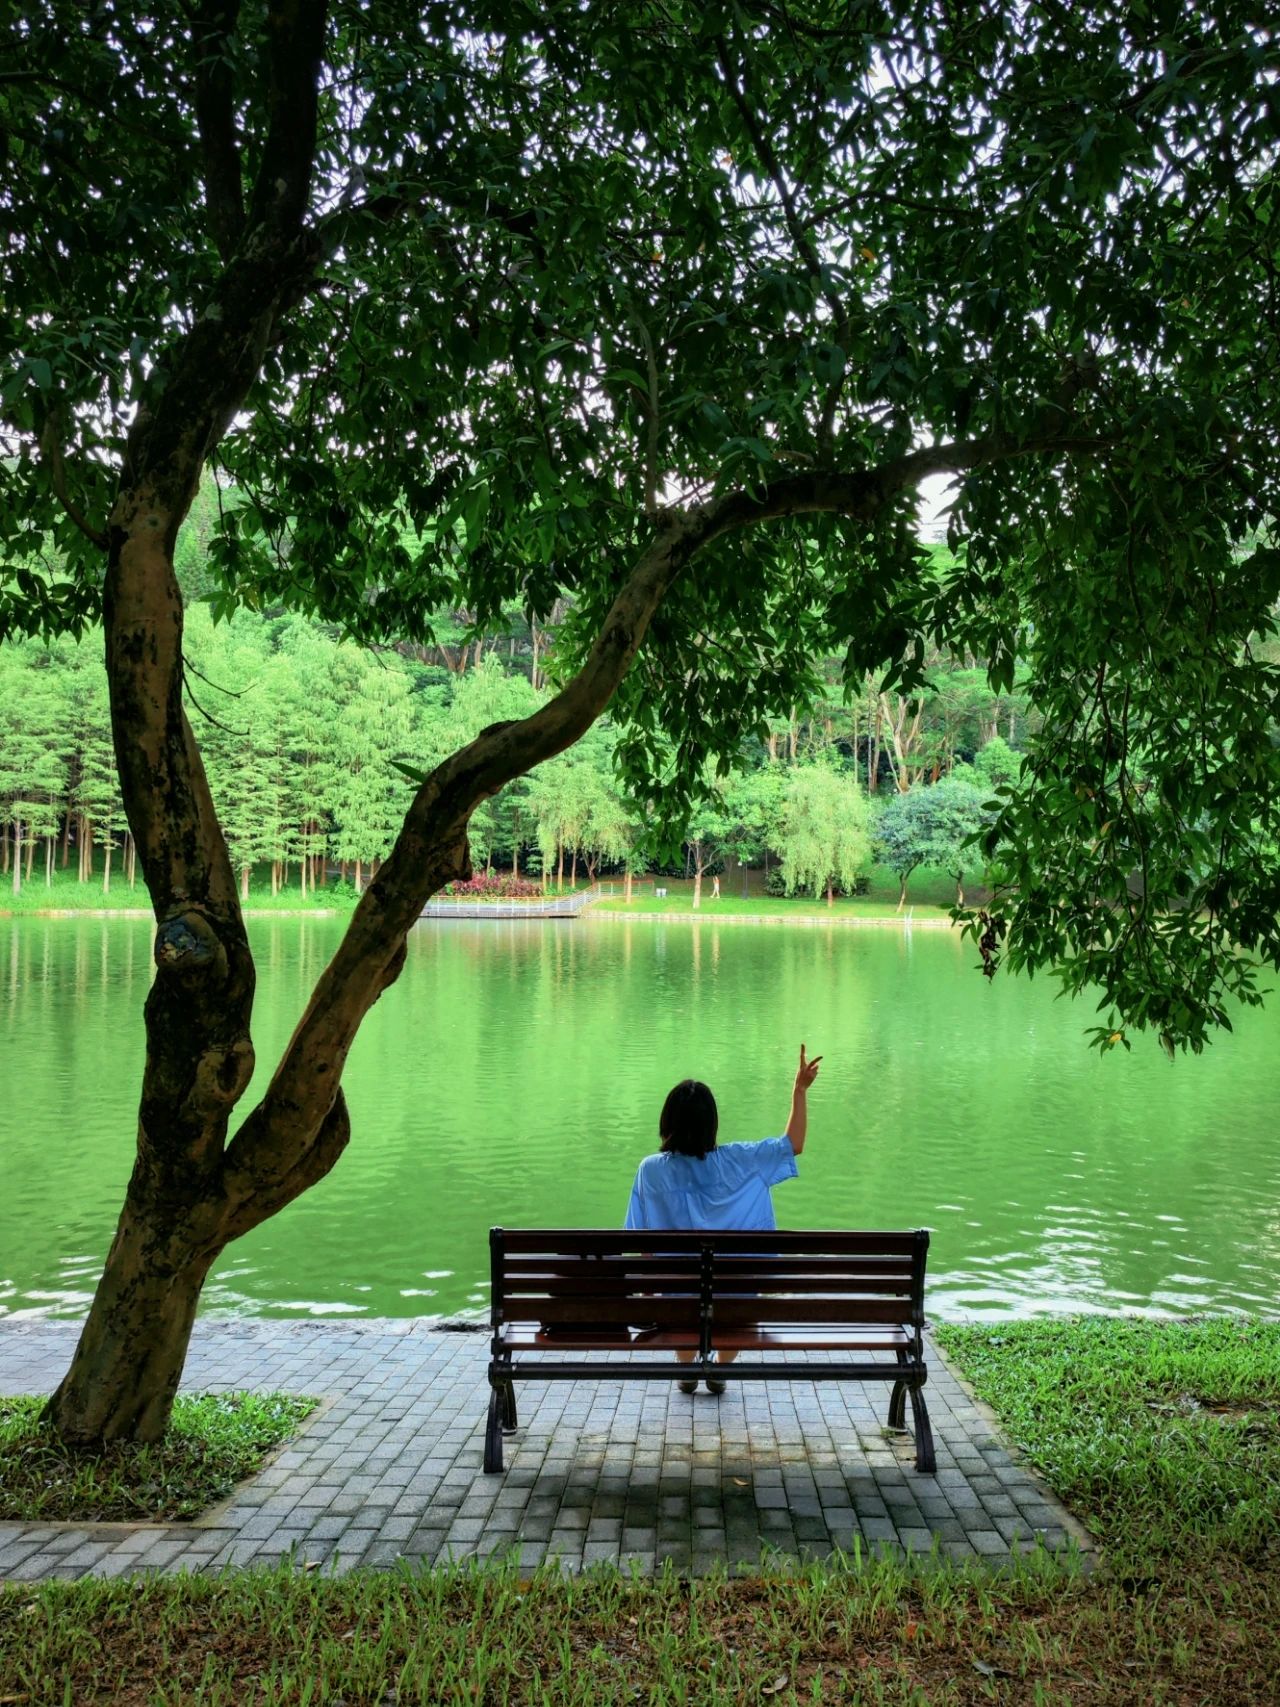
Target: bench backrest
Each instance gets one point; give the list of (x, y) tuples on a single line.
[(582, 1276)]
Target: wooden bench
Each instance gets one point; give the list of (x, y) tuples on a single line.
[(561, 1293)]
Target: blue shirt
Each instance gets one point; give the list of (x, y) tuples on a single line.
[(726, 1190)]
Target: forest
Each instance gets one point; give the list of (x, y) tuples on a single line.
[(311, 742)]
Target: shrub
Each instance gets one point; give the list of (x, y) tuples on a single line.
[(496, 888)]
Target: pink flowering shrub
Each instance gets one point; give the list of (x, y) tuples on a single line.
[(495, 888)]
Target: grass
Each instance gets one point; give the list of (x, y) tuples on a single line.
[(214, 1441), (1164, 1437), (67, 894), (880, 1633), (928, 899)]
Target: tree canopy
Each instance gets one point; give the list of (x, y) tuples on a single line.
[(509, 290), (663, 310)]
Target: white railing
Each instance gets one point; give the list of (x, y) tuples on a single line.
[(556, 906)]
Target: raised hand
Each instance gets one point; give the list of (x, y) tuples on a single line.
[(807, 1071)]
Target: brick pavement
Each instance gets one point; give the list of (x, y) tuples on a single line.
[(390, 1465)]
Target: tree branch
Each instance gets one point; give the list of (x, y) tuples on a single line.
[(216, 121), (295, 41), (796, 227), (51, 451), (432, 845)]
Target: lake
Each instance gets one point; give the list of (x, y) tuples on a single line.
[(515, 1073)]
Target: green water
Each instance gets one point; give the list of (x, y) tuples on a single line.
[(515, 1074)]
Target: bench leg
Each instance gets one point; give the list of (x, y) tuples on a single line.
[(925, 1460), (509, 1420), (493, 1433), (898, 1400)]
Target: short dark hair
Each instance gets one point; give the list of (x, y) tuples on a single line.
[(689, 1119)]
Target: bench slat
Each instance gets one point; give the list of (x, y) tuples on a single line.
[(743, 1312), (520, 1336), (588, 1241), (656, 1282)]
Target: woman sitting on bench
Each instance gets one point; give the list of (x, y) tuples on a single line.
[(693, 1184)]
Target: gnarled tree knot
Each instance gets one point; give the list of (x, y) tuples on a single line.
[(187, 942)]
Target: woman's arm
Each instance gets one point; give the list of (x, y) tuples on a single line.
[(798, 1124)]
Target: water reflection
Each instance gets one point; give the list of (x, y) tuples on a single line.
[(515, 1074)]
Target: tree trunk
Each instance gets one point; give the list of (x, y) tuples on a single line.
[(17, 856), (902, 890), (66, 838), (4, 855), (127, 1366), (959, 889), (244, 882), (275, 877), (106, 864), (560, 869), (627, 889), (48, 861), (359, 876), (831, 898), (697, 888), (573, 869), (31, 854)]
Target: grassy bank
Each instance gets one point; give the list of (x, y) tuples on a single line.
[(883, 1635), (67, 894), (214, 1441), (1163, 1437), (931, 897)]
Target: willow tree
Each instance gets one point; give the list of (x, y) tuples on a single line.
[(664, 310)]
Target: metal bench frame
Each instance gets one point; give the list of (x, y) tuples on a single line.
[(560, 1292)]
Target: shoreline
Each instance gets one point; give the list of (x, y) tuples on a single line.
[(146, 912), (806, 920), (898, 921)]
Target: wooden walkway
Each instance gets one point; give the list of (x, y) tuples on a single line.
[(556, 907)]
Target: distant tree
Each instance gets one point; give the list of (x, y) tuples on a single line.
[(941, 825), (996, 763), (34, 740), (753, 812), (824, 837), (903, 834)]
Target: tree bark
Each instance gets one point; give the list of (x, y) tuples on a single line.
[(129, 1361), (17, 856)]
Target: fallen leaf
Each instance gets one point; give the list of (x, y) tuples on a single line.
[(779, 1682), (312, 1565), (985, 1669), (741, 1482)]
